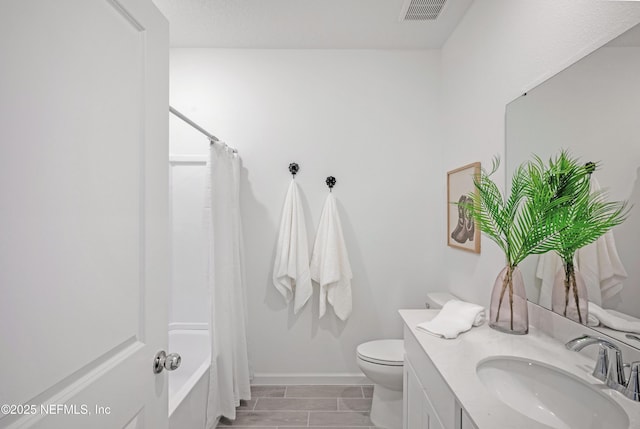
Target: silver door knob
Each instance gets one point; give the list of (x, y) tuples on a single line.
[(172, 361), (163, 361)]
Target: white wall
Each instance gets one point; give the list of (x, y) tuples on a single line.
[(501, 49), (369, 118), (188, 300)]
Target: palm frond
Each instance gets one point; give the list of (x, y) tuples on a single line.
[(587, 215), (550, 207)]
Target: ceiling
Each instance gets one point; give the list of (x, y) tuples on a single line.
[(305, 24)]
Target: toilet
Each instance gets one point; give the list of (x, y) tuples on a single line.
[(382, 362)]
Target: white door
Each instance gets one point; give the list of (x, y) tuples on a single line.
[(83, 213)]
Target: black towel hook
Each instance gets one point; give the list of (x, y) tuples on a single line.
[(590, 167), (293, 169), (331, 181)]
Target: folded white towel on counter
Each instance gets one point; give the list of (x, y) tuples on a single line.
[(330, 266), (592, 321), (291, 274), (614, 319), (454, 318)]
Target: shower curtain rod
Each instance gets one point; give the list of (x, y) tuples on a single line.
[(212, 138)]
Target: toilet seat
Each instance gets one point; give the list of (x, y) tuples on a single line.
[(382, 352)]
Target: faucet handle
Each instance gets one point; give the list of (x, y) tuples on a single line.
[(632, 391), (602, 363), (615, 378)]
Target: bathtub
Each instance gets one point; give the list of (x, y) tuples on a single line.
[(188, 385)]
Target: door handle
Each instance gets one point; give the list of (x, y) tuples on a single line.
[(162, 361)]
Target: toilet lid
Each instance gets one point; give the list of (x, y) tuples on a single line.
[(384, 352)]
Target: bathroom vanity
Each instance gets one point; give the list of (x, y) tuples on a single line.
[(486, 379), (428, 401)]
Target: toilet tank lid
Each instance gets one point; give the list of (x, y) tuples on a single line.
[(382, 350), (438, 299)]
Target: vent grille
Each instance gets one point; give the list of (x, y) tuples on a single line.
[(421, 10)]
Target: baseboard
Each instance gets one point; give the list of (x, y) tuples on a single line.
[(188, 325), (187, 159), (309, 378)]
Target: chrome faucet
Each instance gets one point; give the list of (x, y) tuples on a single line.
[(609, 366), (632, 391)]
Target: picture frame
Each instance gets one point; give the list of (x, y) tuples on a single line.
[(462, 232)]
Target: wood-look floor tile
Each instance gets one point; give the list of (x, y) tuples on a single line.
[(324, 391), (226, 426), (268, 418), (339, 418), (354, 404), (331, 427), (246, 405), (267, 391), (288, 404), (368, 391)]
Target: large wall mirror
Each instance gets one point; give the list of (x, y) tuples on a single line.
[(592, 109)]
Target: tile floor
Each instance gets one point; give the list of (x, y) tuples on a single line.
[(293, 407)]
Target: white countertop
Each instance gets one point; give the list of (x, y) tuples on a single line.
[(456, 361)]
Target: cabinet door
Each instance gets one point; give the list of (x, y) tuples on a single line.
[(418, 412), (466, 422), (463, 421)]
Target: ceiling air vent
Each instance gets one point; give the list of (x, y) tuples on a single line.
[(421, 10)]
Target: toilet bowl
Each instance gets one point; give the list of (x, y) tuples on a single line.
[(382, 362)]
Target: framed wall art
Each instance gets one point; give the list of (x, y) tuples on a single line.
[(462, 231)]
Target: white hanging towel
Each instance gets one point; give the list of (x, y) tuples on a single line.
[(330, 266), (600, 264), (291, 267), (548, 265), (587, 262)]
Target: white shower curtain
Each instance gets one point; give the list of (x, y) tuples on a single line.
[(229, 373)]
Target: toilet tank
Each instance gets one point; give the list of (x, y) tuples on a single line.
[(436, 300)]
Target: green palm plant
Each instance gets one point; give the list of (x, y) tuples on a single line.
[(586, 214), (526, 222)]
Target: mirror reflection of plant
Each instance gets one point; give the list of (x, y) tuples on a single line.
[(525, 223), (586, 215)]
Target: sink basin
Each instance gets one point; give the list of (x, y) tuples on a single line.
[(550, 395)]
